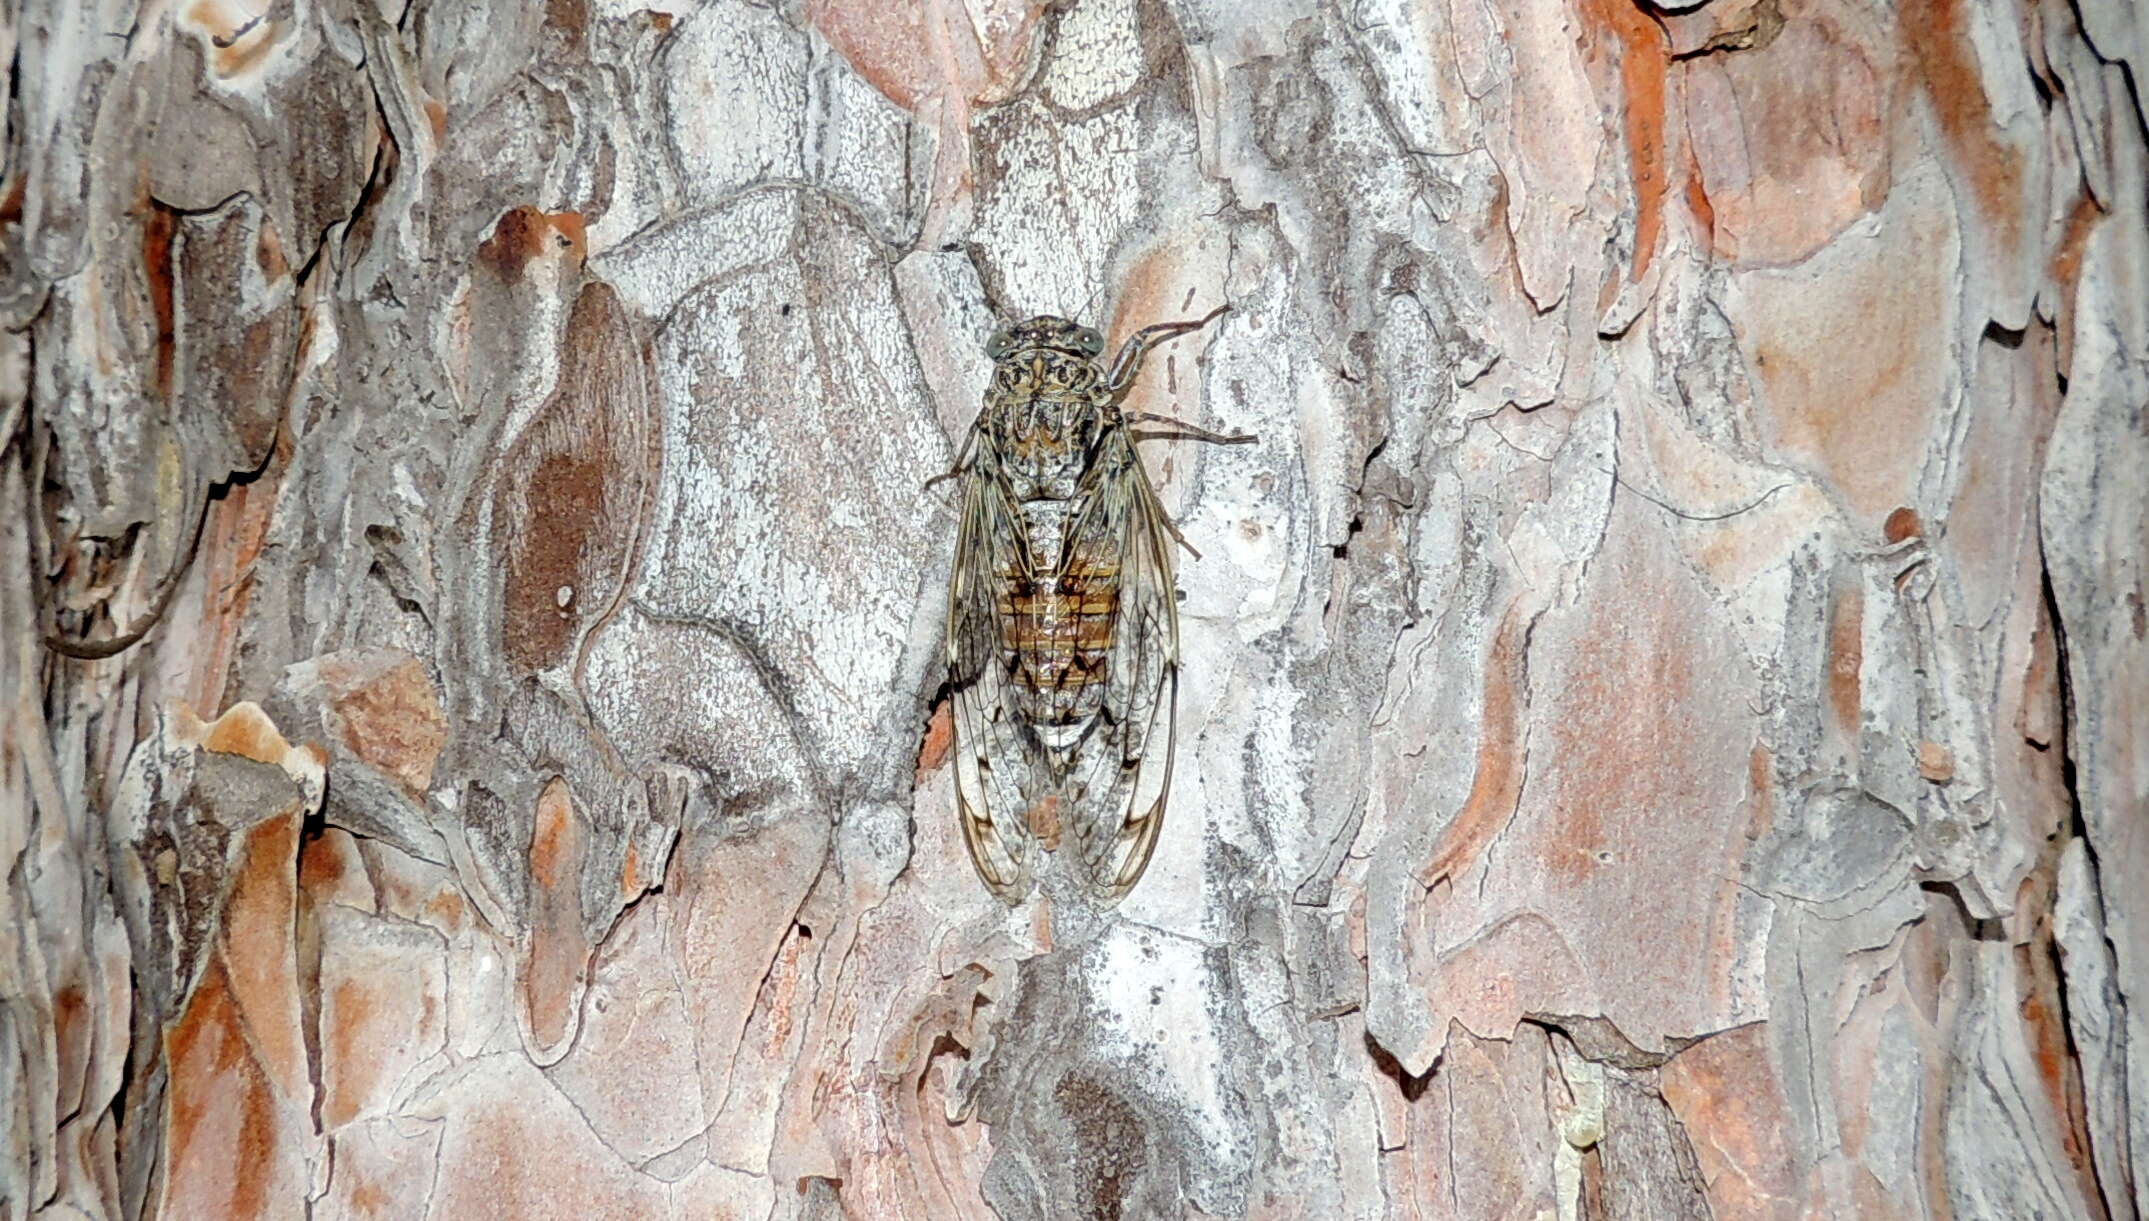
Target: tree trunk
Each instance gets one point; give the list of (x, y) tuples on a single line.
[(1664, 705)]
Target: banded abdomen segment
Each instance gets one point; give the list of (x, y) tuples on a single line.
[(1058, 621)]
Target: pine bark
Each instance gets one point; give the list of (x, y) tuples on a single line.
[(1665, 718)]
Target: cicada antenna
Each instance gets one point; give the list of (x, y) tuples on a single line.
[(1091, 303)]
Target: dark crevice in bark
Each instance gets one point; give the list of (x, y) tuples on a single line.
[(1412, 1087), (2080, 1129)]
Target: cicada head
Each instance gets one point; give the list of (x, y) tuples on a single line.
[(1045, 331)]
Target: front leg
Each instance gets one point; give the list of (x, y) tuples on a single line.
[(1129, 361)]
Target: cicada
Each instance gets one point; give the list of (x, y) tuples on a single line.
[(1063, 623)]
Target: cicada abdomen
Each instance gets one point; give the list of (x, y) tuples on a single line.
[(1063, 627)]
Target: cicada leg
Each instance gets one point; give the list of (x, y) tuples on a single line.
[(962, 461), (1181, 430), (1129, 361)]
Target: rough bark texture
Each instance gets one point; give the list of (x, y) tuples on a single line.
[(1666, 726)]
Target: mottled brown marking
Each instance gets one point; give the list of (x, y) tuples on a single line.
[(71, 1032), (568, 502), (367, 1198), (436, 116), (1903, 524), (779, 992), (159, 223), (1846, 655), (1761, 782), (1936, 762), (515, 240), (1044, 820), (445, 909), (320, 865), (566, 498), (1110, 1145), (269, 253), (570, 17)]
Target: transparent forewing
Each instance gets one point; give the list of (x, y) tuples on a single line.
[(994, 750), (1121, 772)]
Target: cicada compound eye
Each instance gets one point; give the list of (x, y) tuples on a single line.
[(997, 346), (1092, 341)]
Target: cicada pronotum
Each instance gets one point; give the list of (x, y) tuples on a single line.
[(1063, 622)]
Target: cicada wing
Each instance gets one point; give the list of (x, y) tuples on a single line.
[(1121, 778), (993, 754)]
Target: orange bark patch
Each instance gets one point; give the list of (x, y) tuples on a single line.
[(319, 867), (1697, 200), (221, 1120), (1760, 780), (369, 1199), (779, 992), (239, 34), (350, 1064), (259, 950), (553, 837), (1643, 53), (233, 538), (939, 736), (1726, 1086), (436, 116), (1941, 50), (525, 233), (332, 869), (911, 53), (445, 910), (1497, 784), (383, 706), (1041, 926), (2067, 271), (246, 731), (71, 1033), (558, 949), (11, 204), (2067, 255), (1789, 158)]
